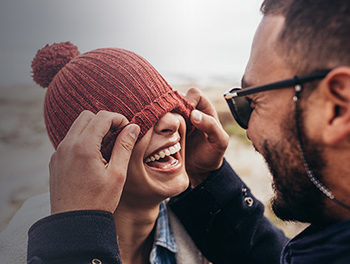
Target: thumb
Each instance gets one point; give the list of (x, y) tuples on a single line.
[(211, 127), (123, 147)]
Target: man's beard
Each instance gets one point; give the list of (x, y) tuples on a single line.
[(296, 198)]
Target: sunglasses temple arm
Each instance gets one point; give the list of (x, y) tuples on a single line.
[(277, 85)]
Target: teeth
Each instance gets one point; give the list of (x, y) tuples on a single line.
[(165, 152), (172, 150)]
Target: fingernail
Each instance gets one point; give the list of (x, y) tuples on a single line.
[(134, 130), (196, 116)]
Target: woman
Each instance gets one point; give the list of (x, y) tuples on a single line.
[(121, 81)]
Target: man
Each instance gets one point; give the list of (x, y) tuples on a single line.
[(302, 128)]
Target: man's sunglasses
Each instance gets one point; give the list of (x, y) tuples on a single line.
[(239, 103)]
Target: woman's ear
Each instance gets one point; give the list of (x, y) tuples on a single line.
[(336, 90)]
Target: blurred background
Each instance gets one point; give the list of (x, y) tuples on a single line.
[(192, 43)]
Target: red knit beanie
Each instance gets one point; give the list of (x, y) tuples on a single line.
[(110, 79)]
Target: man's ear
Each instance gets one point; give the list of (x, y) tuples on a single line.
[(336, 89)]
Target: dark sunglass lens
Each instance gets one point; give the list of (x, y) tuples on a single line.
[(242, 110)]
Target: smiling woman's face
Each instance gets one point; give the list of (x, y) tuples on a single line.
[(156, 169)]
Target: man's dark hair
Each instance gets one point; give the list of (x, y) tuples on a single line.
[(316, 33)]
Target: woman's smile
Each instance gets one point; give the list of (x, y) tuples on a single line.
[(167, 159)]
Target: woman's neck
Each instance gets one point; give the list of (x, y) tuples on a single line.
[(134, 231)]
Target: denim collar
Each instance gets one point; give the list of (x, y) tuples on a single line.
[(164, 245)]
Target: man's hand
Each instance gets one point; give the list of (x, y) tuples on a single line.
[(206, 146), (80, 179)]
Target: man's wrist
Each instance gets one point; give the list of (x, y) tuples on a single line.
[(200, 175)]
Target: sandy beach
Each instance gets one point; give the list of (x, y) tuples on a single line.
[(25, 151)]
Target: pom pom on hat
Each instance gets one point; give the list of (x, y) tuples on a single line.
[(49, 60)]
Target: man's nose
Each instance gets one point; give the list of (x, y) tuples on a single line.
[(168, 124)]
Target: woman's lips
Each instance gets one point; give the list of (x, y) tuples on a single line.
[(168, 164)]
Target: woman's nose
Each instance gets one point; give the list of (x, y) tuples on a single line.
[(168, 124)]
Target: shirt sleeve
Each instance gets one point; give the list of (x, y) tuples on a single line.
[(226, 221), (87, 236)]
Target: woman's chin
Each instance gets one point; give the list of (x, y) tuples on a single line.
[(172, 187), (180, 186)]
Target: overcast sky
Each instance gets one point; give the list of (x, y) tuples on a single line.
[(181, 38)]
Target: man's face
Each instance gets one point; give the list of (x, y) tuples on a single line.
[(272, 129)]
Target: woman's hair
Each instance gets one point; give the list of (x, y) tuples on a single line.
[(109, 79)]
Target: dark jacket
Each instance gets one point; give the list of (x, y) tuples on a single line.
[(320, 244), (223, 218)]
